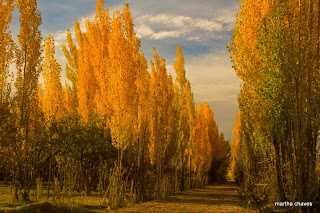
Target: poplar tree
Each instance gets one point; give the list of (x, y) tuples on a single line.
[(161, 123), (27, 105), (185, 117)]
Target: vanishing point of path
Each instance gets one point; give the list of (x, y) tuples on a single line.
[(216, 198)]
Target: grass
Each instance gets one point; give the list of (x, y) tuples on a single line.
[(6, 200), (71, 203)]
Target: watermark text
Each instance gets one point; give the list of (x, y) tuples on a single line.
[(293, 204)]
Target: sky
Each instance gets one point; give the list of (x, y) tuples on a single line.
[(202, 27)]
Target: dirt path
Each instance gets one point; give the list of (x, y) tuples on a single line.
[(219, 198)]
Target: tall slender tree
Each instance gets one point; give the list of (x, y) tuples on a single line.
[(161, 123), (185, 116), (28, 70)]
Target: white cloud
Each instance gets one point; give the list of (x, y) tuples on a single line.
[(162, 26), (182, 21), (146, 31), (167, 34)]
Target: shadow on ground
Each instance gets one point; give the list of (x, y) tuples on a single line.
[(47, 207)]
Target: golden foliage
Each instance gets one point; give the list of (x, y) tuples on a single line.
[(6, 44), (161, 95), (235, 149), (52, 102), (206, 138)]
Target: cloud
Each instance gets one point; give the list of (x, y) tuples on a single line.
[(182, 21), (167, 34), (164, 26), (146, 31)]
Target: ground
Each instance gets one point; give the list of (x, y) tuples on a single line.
[(213, 199)]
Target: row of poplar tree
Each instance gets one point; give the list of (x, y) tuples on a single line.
[(276, 53), (113, 125)]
